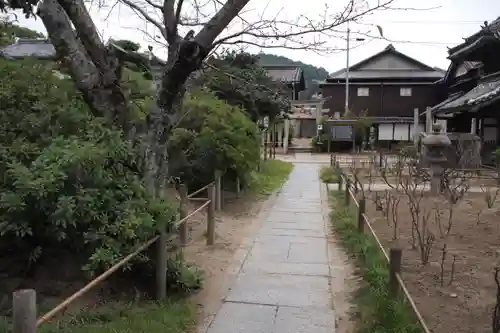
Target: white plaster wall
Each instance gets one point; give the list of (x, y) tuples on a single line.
[(385, 131), (401, 132)]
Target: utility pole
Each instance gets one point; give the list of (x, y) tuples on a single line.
[(348, 38), (347, 69)]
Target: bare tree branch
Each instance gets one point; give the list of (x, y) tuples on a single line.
[(169, 20), (147, 17), (219, 22), (88, 35)]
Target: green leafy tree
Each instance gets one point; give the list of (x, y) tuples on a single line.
[(69, 182), (213, 135), (9, 30), (127, 45), (240, 81)]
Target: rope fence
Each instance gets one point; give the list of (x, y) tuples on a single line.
[(394, 258), (24, 301)]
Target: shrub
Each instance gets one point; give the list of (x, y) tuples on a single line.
[(69, 183), (328, 175), (212, 135)]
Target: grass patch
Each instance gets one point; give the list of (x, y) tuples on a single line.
[(328, 175), (167, 317), (377, 312), (272, 174)]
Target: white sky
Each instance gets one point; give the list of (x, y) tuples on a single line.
[(424, 35)]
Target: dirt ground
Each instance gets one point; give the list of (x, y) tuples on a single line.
[(483, 178), (235, 225), (464, 305)]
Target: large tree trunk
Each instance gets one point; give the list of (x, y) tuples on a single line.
[(185, 57), (93, 67), (96, 72)]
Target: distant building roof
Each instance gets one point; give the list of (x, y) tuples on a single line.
[(488, 90), (284, 73), (388, 64), (387, 74), (488, 32), (25, 47)]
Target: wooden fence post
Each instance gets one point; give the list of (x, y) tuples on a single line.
[(395, 256), (238, 187), (341, 180), (210, 216), (24, 311), (361, 211), (218, 190), (347, 194), (183, 228), (161, 266)]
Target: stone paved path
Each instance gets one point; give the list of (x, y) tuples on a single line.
[(285, 283)]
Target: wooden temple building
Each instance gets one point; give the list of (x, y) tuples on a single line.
[(470, 90)]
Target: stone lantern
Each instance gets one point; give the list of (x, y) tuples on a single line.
[(435, 145)]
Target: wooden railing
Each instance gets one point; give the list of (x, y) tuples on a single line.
[(24, 301), (396, 284)]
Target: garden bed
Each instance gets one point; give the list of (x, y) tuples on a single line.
[(466, 303)]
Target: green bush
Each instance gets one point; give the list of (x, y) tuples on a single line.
[(328, 175), (212, 135), (69, 183)]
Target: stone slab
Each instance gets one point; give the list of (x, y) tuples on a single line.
[(243, 318), (304, 320), (288, 216), (288, 268), (308, 253), (292, 232), (282, 290), (275, 251), (312, 225), (264, 238)]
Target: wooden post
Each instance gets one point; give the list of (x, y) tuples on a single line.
[(24, 311), (210, 216), (341, 180), (183, 228), (287, 134), (361, 211), (161, 266), (238, 187), (329, 147), (428, 120), (218, 190), (265, 145), (416, 120), (395, 255), (347, 194)]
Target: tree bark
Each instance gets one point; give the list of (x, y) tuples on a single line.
[(95, 70), (92, 66)]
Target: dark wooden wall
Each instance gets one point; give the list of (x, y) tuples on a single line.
[(383, 101)]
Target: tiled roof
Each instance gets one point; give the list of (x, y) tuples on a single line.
[(491, 31), (386, 74), (287, 74), (40, 48), (415, 68), (485, 91)]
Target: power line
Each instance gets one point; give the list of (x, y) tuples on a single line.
[(437, 22)]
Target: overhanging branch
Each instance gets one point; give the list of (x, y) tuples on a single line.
[(219, 22), (147, 17), (67, 44)]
